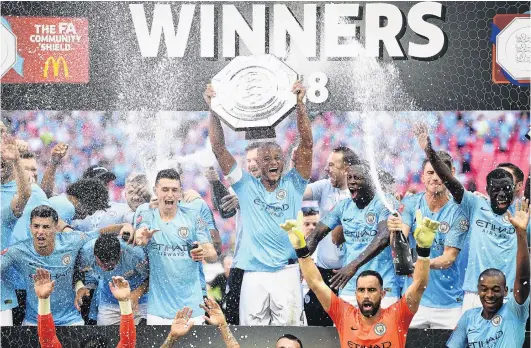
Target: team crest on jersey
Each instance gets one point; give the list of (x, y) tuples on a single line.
[(496, 320), (281, 194), (505, 219), (370, 218), (66, 259), (444, 227), (380, 329), (307, 299), (183, 232), (464, 225)]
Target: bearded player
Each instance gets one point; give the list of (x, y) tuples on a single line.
[(368, 325), (271, 289)]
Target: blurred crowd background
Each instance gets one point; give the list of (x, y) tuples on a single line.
[(478, 141)]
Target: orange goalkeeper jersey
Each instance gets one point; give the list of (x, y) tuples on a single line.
[(389, 332)]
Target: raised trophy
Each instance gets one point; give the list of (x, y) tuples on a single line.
[(253, 94)]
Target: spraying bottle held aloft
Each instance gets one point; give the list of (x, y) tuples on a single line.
[(402, 259), (219, 191)]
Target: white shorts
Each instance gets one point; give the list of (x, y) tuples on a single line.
[(387, 301), (154, 320), (79, 323), (436, 318), (272, 298), (109, 314), (471, 300), (6, 318)]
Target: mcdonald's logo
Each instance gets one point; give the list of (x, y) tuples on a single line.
[(55, 64)]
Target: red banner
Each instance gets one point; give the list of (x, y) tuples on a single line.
[(53, 49)]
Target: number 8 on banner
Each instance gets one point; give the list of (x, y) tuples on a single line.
[(317, 91)]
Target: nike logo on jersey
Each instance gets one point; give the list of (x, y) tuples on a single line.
[(485, 209)]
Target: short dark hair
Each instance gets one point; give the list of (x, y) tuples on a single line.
[(310, 211), (44, 211), (368, 273), (252, 146), (492, 272), (107, 248), (27, 155), (349, 157), (91, 193), (498, 173), (291, 338), (443, 156), (268, 144), (518, 173), (171, 174)]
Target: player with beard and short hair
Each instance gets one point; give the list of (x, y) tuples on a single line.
[(368, 324), (230, 202), (271, 290), (493, 243), (56, 252), (176, 240), (364, 220), (328, 192), (499, 324), (518, 177)]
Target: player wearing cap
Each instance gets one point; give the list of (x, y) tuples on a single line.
[(368, 325)]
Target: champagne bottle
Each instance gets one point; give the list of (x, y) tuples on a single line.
[(218, 192), (401, 253)]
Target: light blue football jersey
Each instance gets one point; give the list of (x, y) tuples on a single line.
[(169, 259), (23, 257), (505, 330), (64, 208), (264, 245), (492, 241), (444, 289), (360, 229)]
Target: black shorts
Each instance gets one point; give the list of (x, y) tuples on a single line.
[(315, 314), (232, 298)]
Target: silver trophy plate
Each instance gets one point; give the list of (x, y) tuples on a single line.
[(254, 94)]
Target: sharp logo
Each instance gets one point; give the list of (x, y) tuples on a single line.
[(55, 65)]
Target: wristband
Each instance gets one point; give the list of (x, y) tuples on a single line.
[(423, 252), (44, 306), (303, 252), (79, 285), (125, 307)]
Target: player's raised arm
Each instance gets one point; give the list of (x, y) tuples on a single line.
[(321, 230), (441, 169), (303, 153), (10, 154), (121, 291), (48, 178), (217, 318), (520, 220), (44, 286), (309, 271), (217, 138), (379, 243), (424, 235)]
